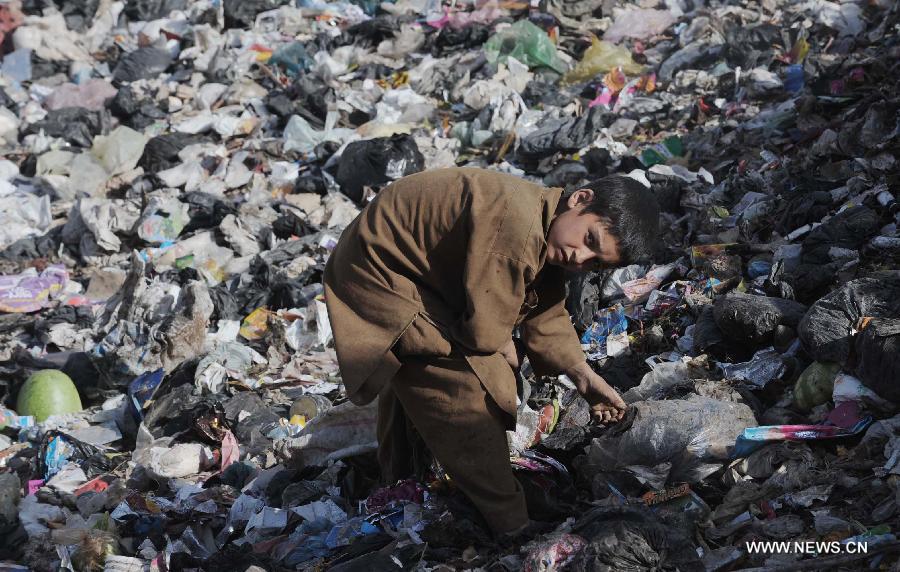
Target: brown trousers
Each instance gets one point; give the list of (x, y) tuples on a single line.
[(443, 399)]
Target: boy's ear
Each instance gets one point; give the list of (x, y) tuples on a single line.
[(580, 197)]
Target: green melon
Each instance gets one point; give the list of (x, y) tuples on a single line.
[(48, 392)]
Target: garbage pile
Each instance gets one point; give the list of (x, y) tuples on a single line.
[(174, 175)]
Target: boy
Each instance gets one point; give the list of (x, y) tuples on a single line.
[(425, 288)]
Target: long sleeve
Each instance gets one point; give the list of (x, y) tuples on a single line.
[(550, 340)]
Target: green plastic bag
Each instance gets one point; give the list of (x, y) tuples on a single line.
[(293, 58), (815, 385), (602, 57), (525, 42), (662, 152)]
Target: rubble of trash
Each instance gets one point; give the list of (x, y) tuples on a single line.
[(175, 173)]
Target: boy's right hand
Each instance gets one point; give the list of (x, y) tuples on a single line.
[(607, 406)]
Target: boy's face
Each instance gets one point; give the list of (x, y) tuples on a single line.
[(579, 240)]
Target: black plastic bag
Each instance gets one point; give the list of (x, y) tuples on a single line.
[(547, 485), (33, 247), (566, 173), (632, 539), (291, 294), (377, 161), (806, 208), (878, 357), (248, 428), (147, 10), (583, 299), (242, 13), (827, 328), (562, 135), (288, 225), (748, 46), (311, 182), (143, 63), (538, 92), (225, 307), (76, 125), (6, 101), (161, 152), (775, 285), (754, 319), (707, 335), (372, 32), (205, 210), (124, 104), (849, 229), (134, 113), (78, 13), (170, 413), (311, 99), (450, 40), (41, 68)]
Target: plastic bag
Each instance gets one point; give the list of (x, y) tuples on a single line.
[(301, 136), (607, 322), (148, 10), (602, 57), (525, 42), (143, 63), (76, 125), (827, 329), (162, 220), (546, 483), (878, 355), (692, 434), (765, 365), (341, 431), (662, 377), (377, 161), (850, 389), (23, 215), (815, 385), (748, 318), (553, 552), (242, 13), (639, 24), (292, 57), (119, 151), (566, 134), (848, 229), (631, 539), (91, 95), (161, 152)]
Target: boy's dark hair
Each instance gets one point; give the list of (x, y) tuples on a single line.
[(632, 213)]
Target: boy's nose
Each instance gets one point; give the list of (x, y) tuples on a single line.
[(583, 257)]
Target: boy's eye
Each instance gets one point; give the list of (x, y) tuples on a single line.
[(589, 239)]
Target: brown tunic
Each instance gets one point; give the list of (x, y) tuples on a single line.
[(463, 249)]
